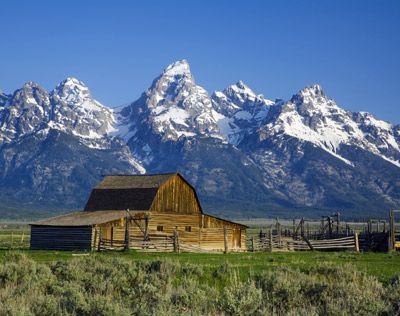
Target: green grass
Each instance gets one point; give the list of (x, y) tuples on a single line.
[(381, 265)]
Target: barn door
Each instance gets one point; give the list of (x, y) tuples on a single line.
[(236, 238)]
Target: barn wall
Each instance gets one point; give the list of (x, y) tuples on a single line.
[(206, 232), (176, 196), (61, 237)]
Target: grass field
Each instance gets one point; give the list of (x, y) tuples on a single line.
[(381, 265)]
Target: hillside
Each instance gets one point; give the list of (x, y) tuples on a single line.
[(245, 154)]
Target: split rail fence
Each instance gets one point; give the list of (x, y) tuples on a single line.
[(278, 243), (153, 243)]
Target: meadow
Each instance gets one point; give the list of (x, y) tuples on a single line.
[(110, 283), (133, 283)]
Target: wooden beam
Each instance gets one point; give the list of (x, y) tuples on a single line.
[(126, 233), (357, 246), (225, 240)]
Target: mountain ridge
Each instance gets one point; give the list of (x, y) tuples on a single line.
[(303, 153)]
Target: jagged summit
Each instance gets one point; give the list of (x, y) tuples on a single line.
[(30, 85), (178, 68), (310, 94), (72, 82), (72, 90), (236, 144)]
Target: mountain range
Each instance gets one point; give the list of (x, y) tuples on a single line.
[(247, 156)]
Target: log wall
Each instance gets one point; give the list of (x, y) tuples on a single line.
[(61, 237), (205, 232)]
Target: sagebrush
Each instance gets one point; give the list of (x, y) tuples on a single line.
[(98, 285)]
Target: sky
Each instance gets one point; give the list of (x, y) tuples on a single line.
[(118, 47)]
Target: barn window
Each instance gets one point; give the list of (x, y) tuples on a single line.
[(160, 228), (188, 228)]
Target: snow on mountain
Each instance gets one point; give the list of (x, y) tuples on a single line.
[(174, 106), (77, 112), (239, 110), (3, 99), (26, 110), (69, 108), (311, 116)]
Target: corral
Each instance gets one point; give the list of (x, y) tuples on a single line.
[(331, 234)]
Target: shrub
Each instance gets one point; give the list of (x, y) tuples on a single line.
[(100, 285), (240, 298)]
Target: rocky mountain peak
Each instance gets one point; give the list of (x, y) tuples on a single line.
[(31, 85), (312, 90), (310, 94), (72, 90), (240, 87), (31, 93), (4, 99), (179, 68)]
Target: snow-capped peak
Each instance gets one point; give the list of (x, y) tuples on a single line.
[(72, 90), (77, 112), (312, 90), (313, 94), (239, 111), (178, 68), (173, 107), (311, 116), (240, 87), (30, 85)]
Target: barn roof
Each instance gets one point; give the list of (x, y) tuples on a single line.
[(121, 192), (134, 181), (82, 218)]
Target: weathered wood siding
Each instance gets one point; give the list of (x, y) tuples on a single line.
[(213, 228), (176, 196), (205, 232), (61, 237)]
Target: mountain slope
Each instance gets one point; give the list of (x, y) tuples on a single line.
[(245, 154), (322, 156), (239, 111), (54, 147)]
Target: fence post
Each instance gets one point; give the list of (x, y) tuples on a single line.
[(391, 232), (356, 242), (126, 232), (93, 245), (176, 241), (280, 236), (252, 244), (99, 243), (225, 240), (270, 240)]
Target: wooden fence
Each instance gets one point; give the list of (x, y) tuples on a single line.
[(14, 240), (154, 243), (344, 243), (279, 243)]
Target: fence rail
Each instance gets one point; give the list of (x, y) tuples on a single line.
[(153, 244), (278, 243)]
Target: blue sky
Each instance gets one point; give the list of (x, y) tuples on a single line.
[(118, 47)]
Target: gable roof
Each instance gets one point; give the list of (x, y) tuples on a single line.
[(134, 181), (121, 192)]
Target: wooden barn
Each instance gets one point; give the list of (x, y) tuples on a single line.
[(144, 212)]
